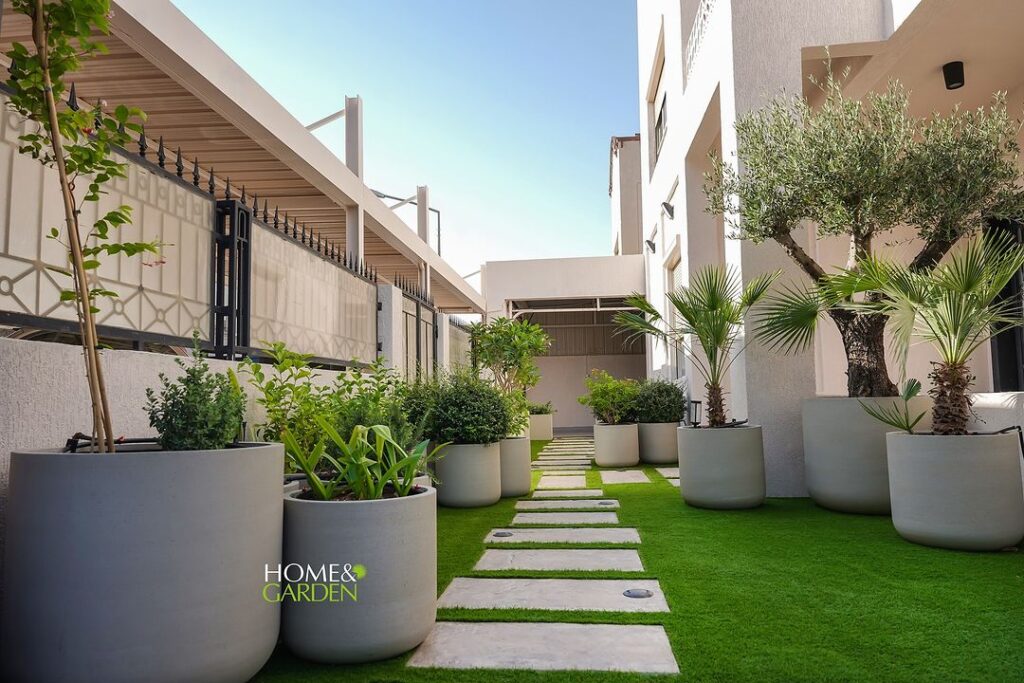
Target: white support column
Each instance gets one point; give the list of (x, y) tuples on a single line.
[(423, 213), (425, 278), (354, 134), (390, 327), (354, 231)]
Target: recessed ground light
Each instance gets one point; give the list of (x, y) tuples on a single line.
[(502, 534), (607, 502), (638, 593)]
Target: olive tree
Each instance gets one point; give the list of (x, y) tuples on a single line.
[(857, 169)]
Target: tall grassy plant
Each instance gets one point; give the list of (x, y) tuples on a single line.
[(954, 308), (712, 310)]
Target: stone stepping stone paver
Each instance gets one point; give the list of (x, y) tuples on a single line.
[(553, 481), (592, 595), (668, 472), (674, 482), (624, 477), (561, 468), (561, 518), (547, 647), (567, 504), (564, 458), (570, 493), (560, 560), (565, 535)]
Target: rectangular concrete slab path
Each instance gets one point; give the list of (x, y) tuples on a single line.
[(561, 468), (668, 472), (565, 535), (592, 595), (561, 559), (674, 482), (564, 518), (570, 493), (547, 647), (567, 504), (551, 481), (624, 477)]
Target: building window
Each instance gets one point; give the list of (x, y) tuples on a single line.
[(660, 127)]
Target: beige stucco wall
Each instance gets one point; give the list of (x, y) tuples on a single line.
[(625, 196), (563, 381)]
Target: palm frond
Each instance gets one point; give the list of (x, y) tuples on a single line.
[(788, 320)]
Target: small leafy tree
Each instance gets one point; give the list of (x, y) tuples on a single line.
[(609, 398), (712, 309), (78, 144), (507, 349), (858, 169)]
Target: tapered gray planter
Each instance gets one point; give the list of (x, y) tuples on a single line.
[(515, 467), (658, 442), (395, 540), (469, 475), (616, 445), (542, 427), (958, 492), (844, 452), (721, 468), (141, 566)]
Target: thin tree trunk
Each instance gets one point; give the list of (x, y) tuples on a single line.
[(716, 405), (864, 342), (950, 387), (102, 429)]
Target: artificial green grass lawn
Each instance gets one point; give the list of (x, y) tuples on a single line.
[(787, 592)]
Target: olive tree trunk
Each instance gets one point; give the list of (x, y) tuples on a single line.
[(864, 342)]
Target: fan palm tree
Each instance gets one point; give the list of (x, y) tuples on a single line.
[(956, 307), (712, 309)]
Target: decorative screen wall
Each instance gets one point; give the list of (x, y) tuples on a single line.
[(169, 295), (424, 357), (460, 349), (309, 303)]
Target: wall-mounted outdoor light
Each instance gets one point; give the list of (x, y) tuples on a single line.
[(650, 245), (670, 210), (695, 415), (953, 73)]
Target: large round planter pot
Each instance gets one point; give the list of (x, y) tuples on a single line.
[(721, 468), (658, 442), (469, 475), (958, 492), (515, 467), (542, 427), (391, 608), (616, 445), (844, 453), (141, 565)]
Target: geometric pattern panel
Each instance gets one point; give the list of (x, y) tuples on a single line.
[(169, 294), (308, 302), (460, 348)]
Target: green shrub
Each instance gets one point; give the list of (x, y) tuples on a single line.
[(373, 396), (540, 408), (610, 399), (519, 415), (467, 410), (659, 401), (201, 410), (418, 399)]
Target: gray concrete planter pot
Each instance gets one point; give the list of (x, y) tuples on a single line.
[(616, 445), (515, 467), (721, 468), (469, 475), (395, 539), (141, 566), (658, 442), (542, 427), (957, 492), (844, 453)]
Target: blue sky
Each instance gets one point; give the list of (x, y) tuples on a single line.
[(504, 108)]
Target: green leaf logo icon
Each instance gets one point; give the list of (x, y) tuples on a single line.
[(359, 570)]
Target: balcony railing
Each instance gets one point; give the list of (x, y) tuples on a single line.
[(700, 24)]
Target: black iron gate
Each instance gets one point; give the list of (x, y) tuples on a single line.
[(232, 241)]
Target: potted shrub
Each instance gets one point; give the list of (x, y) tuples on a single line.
[(516, 475), (616, 442), (722, 465), (659, 407), (358, 581), (116, 550), (857, 170), (949, 488), (542, 426), (146, 563), (472, 416)]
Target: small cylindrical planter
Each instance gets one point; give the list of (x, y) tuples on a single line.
[(394, 603), (958, 492), (844, 452), (141, 565), (658, 442), (469, 475), (542, 427), (616, 445), (721, 468), (515, 467)]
